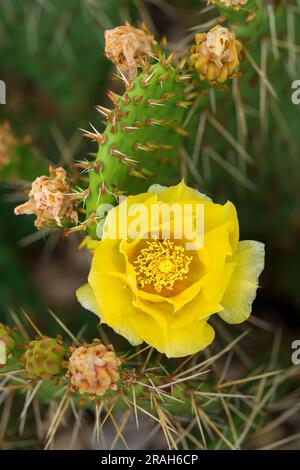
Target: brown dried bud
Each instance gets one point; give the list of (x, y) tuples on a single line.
[(50, 200), (215, 55), (93, 369), (126, 45), (8, 142)]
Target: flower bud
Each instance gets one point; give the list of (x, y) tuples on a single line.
[(215, 55), (126, 45), (93, 369), (43, 358), (50, 200)]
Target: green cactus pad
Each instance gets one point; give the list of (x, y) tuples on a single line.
[(142, 138), (43, 358)]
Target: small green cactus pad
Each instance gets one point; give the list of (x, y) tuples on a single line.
[(44, 357), (6, 336)]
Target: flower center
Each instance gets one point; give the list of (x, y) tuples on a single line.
[(161, 264)]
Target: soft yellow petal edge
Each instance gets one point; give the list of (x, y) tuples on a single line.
[(87, 299), (241, 291), (190, 340), (178, 192), (179, 342)]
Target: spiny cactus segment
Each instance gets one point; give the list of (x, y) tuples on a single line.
[(142, 138)]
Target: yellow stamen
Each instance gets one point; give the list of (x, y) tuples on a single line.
[(161, 264)]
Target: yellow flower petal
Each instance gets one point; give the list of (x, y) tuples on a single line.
[(214, 214), (107, 259), (241, 291), (178, 342), (114, 306), (87, 299), (178, 193), (196, 310), (160, 313), (148, 329), (89, 243), (176, 303), (214, 256), (189, 340)]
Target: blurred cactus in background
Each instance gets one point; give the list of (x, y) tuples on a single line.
[(212, 105)]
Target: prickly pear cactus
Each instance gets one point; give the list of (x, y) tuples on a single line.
[(154, 134)]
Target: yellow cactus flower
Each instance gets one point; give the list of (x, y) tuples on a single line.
[(215, 55), (162, 290)]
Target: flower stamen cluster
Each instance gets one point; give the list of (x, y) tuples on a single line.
[(161, 264)]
